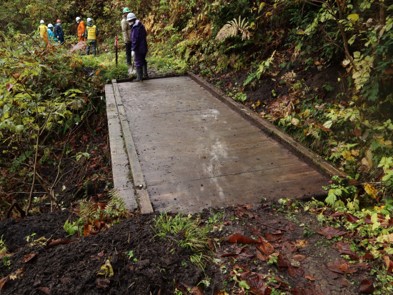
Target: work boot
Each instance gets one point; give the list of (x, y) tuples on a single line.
[(139, 74), (145, 74), (131, 70)]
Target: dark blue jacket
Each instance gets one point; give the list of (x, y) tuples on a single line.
[(138, 38), (58, 31)]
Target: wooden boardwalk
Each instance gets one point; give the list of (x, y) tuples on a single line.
[(186, 150)]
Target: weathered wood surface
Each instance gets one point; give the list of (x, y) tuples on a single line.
[(196, 152)]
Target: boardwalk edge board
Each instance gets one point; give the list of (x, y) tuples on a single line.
[(305, 153), (127, 174)]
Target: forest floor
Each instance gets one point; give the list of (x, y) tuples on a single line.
[(268, 249)]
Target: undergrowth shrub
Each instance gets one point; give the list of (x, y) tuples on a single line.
[(45, 94)]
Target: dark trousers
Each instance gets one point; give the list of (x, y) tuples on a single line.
[(93, 45), (140, 59), (128, 53)]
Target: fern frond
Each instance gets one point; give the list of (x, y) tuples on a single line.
[(87, 211), (233, 28)]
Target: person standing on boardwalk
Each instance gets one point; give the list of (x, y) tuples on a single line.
[(58, 31), (80, 32), (91, 34), (125, 29), (138, 46), (43, 32)]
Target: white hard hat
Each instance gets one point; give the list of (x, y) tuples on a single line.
[(89, 19), (78, 19), (50, 26), (42, 21), (131, 16)]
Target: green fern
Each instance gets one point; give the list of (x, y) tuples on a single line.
[(233, 28)]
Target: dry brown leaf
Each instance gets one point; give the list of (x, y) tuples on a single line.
[(3, 281), (261, 256), (16, 274), (366, 287), (341, 266), (256, 282), (44, 290), (388, 263), (239, 238), (102, 283), (57, 242), (295, 271), (272, 237), (28, 257), (301, 244), (265, 247), (299, 257), (310, 277), (331, 232), (344, 248)]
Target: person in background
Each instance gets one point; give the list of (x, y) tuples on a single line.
[(43, 32), (58, 31), (81, 29), (125, 29), (51, 35), (91, 34), (138, 46)]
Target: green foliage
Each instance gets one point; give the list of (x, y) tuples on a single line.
[(263, 67), (131, 256), (187, 233), (339, 192), (90, 212), (73, 227), (240, 96)]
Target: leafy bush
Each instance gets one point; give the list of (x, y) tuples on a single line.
[(46, 93)]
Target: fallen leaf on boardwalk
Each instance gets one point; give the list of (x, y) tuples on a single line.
[(366, 287), (239, 238), (341, 266), (331, 232), (28, 257)]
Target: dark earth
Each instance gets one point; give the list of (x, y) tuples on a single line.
[(268, 249)]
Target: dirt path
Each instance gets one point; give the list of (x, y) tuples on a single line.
[(264, 248)]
